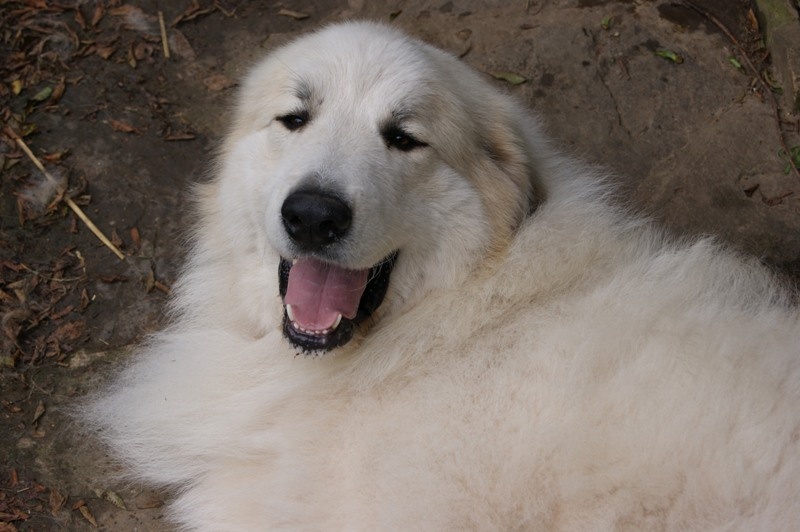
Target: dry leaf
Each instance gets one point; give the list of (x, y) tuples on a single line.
[(84, 299), (87, 514), (105, 51), (55, 156), (180, 46), (180, 135), (39, 412), (58, 90), (148, 501), (150, 283), (123, 127), (56, 501), (137, 239), (79, 18), (114, 499), (192, 12), (115, 238), (752, 19), (43, 94), (99, 12), (61, 313), (293, 14), (510, 77), (218, 82)]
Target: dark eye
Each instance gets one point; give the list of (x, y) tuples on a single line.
[(397, 138), (293, 121)]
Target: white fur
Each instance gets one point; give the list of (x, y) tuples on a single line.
[(569, 369)]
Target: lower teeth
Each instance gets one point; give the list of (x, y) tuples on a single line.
[(313, 332)]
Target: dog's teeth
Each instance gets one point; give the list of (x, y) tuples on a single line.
[(294, 261), (336, 323), (289, 312)]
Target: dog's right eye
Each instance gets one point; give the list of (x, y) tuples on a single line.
[(399, 139), (293, 121)]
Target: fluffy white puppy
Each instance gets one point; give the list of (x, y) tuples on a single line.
[(404, 310)]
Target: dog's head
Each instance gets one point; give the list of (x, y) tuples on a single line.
[(372, 167)]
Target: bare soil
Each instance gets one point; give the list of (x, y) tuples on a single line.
[(658, 92)]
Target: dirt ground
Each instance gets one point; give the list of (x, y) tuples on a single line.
[(676, 100)]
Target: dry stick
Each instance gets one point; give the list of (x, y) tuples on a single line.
[(164, 42), (71, 204), (767, 89)]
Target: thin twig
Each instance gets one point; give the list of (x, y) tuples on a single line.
[(71, 204), (775, 107), (164, 41)]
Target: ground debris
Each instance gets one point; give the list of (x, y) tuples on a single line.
[(40, 307), (20, 498), (85, 512)]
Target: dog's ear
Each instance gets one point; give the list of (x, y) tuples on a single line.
[(508, 177)]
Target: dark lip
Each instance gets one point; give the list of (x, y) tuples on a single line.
[(377, 285)]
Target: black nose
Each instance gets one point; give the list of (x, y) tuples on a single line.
[(315, 219)]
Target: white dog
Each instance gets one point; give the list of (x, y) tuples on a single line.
[(405, 311)]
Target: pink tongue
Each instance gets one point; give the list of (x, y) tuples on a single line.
[(318, 292)]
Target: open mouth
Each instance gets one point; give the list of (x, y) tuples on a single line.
[(323, 303)]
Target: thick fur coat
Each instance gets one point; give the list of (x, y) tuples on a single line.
[(541, 360)]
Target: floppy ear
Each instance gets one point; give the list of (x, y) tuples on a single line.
[(506, 175)]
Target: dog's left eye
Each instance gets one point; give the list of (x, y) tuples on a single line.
[(293, 121), (397, 138)]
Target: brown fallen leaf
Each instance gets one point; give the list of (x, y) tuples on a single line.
[(61, 313), (14, 319), (79, 18), (55, 156), (99, 13), (69, 332), (137, 239), (752, 20), (84, 299), (104, 51), (150, 282), (297, 15), (180, 46), (143, 51), (132, 57), (58, 90), (123, 127), (115, 238), (179, 135), (192, 12), (149, 500), (14, 409), (87, 514), (218, 82), (56, 501), (39, 412)]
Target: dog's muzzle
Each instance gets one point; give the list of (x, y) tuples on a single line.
[(324, 302)]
